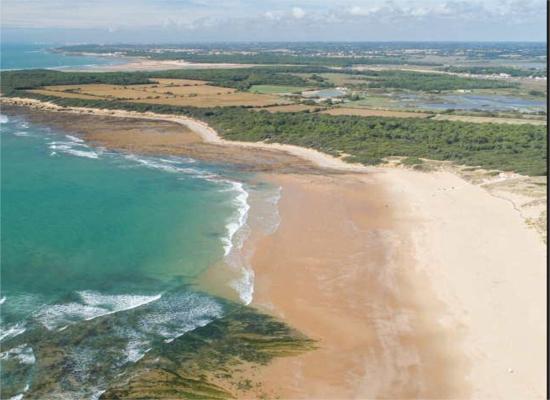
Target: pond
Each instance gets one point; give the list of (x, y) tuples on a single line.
[(472, 102)]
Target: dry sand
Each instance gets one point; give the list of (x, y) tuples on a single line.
[(489, 268), (416, 285), (143, 64)]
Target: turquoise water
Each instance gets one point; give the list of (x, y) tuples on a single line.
[(89, 234), (26, 55), (79, 221), (100, 250)]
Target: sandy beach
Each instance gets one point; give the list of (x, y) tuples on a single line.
[(413, 284), (145, 64), (341, 270), (409, 295)]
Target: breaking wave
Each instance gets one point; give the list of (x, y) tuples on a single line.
[(74, 146), (92, 305), (12, 330), (22, 353), (235, 224)]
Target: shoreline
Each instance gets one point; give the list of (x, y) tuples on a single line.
[(529, 207), (208, 134), (450, 271), (146, 64)]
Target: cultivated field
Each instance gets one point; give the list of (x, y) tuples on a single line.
[(179, 92)]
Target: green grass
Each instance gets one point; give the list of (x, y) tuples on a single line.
[(374, 101), (412, 161), (276, 89)]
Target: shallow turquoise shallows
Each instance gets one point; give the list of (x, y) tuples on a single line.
[(89, 233), (100, 250)]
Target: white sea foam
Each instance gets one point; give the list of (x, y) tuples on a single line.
[(74, 139), (12, 331), (4, 119), (21, 133), (97, 395), (177, 160), (95, 305), (245, 284), (87, 154), (56, 315), (119, 302), (172, 166), (24, 303), (135, 350), (17, 397), (2, 300), (272, 223), (69, 148), (237, 232), (74, 146), (238, 219), (22, 353), (178, 314)]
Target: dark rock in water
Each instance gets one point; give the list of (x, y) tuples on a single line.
[(94, 357), (189, 366)]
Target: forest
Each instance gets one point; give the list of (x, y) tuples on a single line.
[(412, 80)]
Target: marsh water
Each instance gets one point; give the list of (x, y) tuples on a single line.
[(470, 102)]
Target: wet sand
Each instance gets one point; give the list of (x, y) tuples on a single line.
[(415, 285), (341, 269)]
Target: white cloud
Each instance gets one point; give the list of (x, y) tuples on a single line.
[(273, 15), (298, 13), (275, 19), (363, 11)]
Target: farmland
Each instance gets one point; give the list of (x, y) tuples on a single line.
[(165, 91)]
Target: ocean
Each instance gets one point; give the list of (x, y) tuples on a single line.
[(31, 55), (101, 252)]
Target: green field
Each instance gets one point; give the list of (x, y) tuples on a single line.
[(276, 89), (374, 101)]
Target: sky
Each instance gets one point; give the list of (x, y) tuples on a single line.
[(178, 21)]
